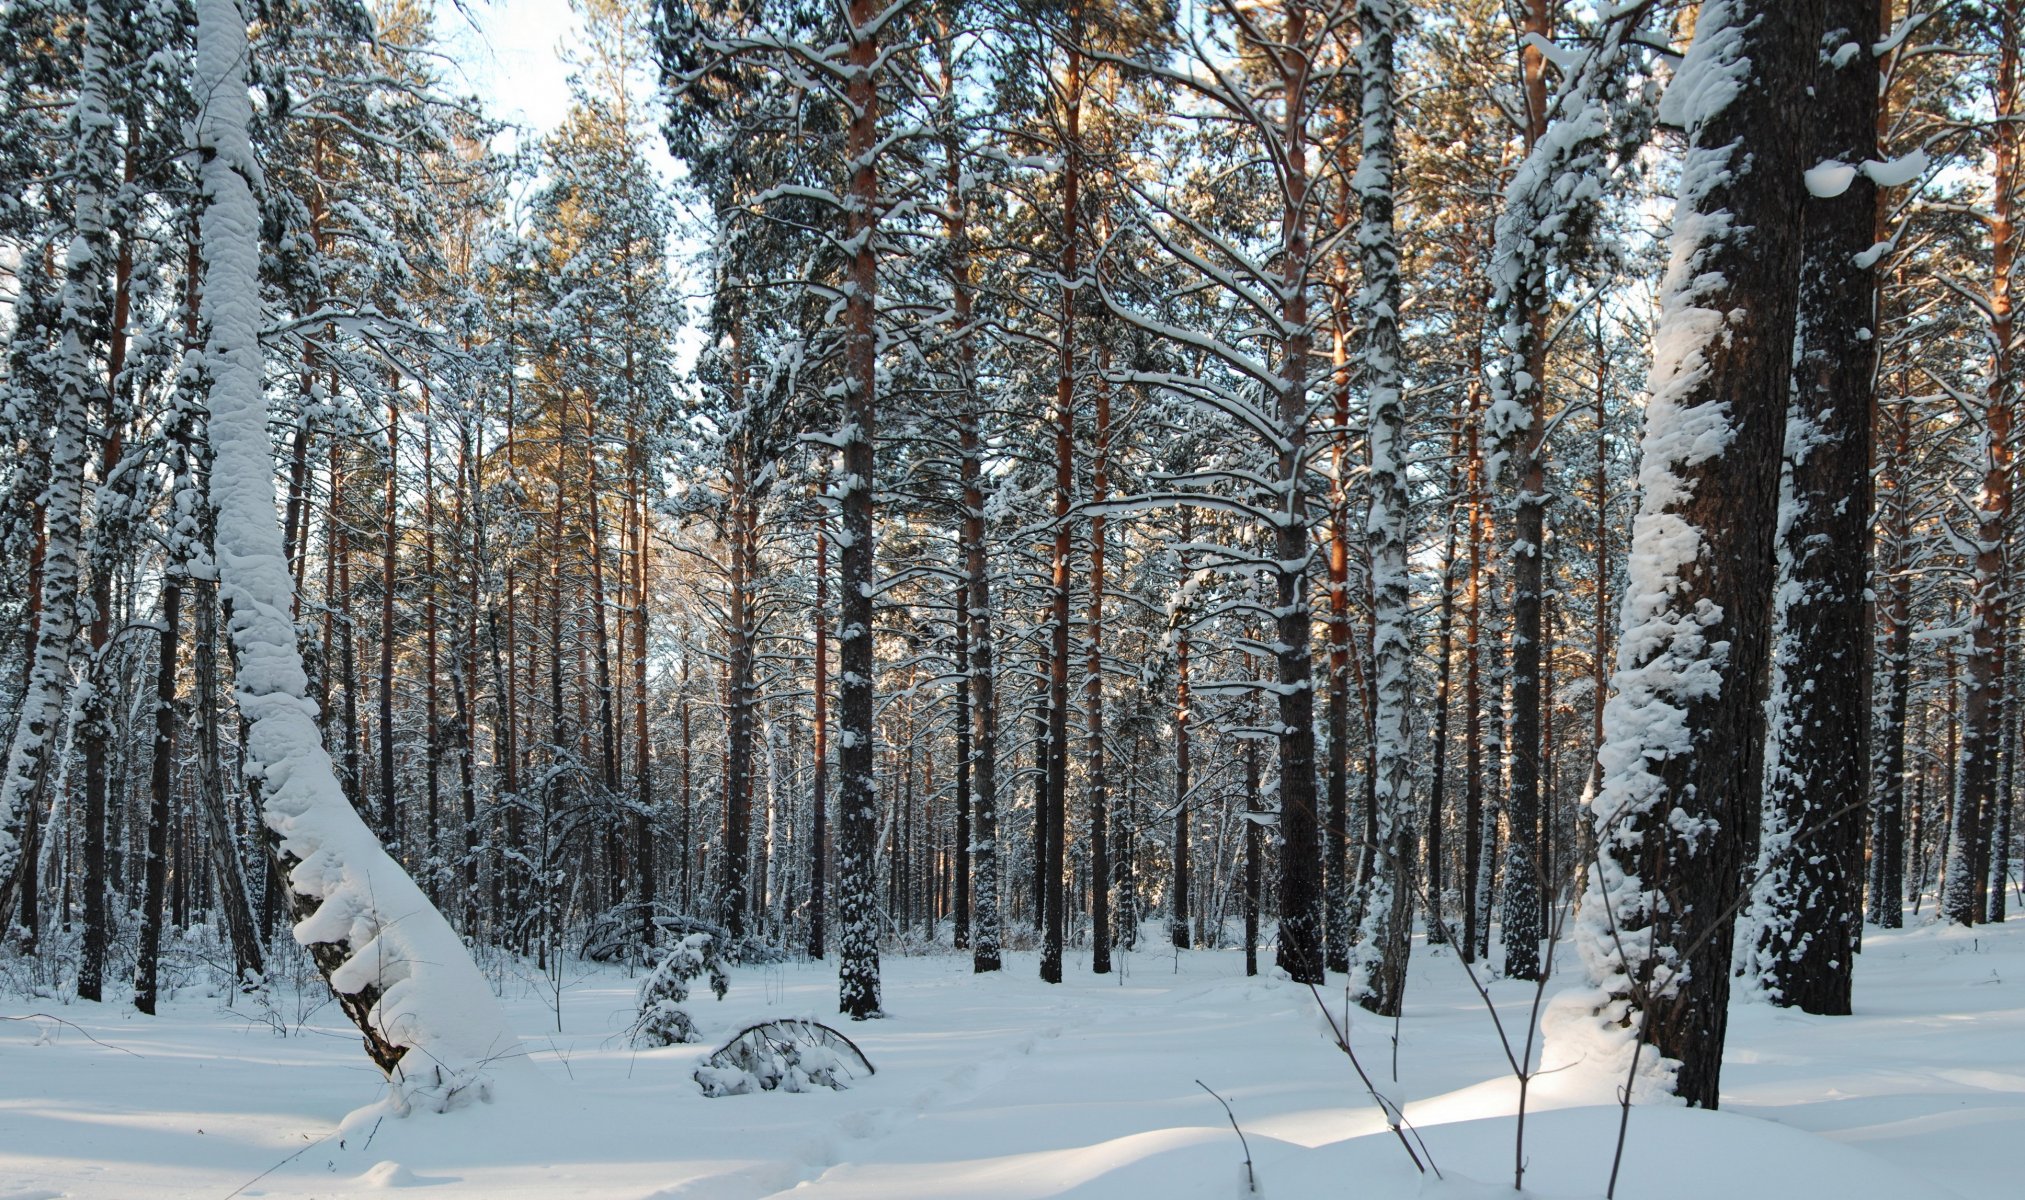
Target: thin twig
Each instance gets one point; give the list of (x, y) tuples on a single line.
[(1251, 1176), (1395, 1117), (81, 1029)]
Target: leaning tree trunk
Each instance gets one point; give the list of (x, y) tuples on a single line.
[(398, 970), (1810, 887), (1681, 766)]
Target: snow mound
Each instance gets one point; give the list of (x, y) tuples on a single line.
[(388, 1174)]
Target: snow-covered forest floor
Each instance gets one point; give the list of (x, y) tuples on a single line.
[(1001, 1086)]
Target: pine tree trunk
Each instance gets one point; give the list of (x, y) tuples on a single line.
[(1093, 689), (390, 808), (1811, 851), (983, 683), (1888, 842), (735, 900), (161, 795), (858, 964), (1064, 419), (1965, 901), (1683, 757), (1178, 914), (1522, 917), (1301, 909)]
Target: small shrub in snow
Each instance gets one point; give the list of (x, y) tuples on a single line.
[(662, 1020)]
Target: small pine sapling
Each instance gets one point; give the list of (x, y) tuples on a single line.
[(662, 1020)]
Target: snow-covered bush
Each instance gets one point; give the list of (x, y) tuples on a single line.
[(786, 1056), (662, 1020)]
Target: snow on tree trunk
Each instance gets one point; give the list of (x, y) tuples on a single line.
[(1378, 968), (1301, 896), (1681, 764), (81, 326), (1545, 223), (1893, 678), (1807, 902), (398, 970), (857, 868), (1964, 898)]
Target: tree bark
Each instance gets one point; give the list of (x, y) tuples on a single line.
[(1682, 763), (1815, 790)]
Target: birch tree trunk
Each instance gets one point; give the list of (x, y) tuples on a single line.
[(398, 970), (1378, 969)]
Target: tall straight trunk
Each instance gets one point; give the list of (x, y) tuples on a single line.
[(1437, 800), (1301, 883), (858, 963), (111, 542), (1253, 835), (81, 328), (645, 881), (1093, 689), (1183, 715), (1673, 827), (734, 898), (1379, 969), (390, 810), (599, 603), (398, 970), (688, 792), (161, 795), (1336, 855), (819, 837), (1811, 849), (1599, 666), (983, 683), (432, 733), (1965, 901), (466, 535), (1888, 840), (1527, 326), (1475, 914), (960, 936), (1064, 418)]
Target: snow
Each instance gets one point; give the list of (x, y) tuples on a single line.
[(1001, 1087), (1830, 179), (1899, 171)]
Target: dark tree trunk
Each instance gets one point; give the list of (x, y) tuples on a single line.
[(1064, 417), (1674, 828), (858, 967), (1965, 901), (819, 835), (161, 795), (1815, 793)]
